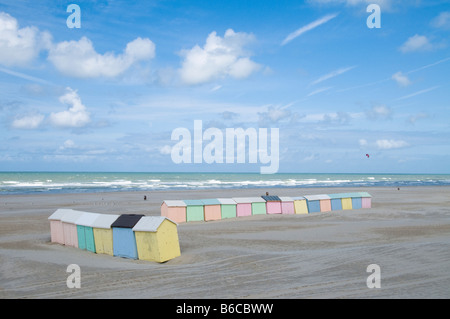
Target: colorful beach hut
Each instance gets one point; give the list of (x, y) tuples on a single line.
[(243, 206), (56, 226), (366, 200), (174, 210), (194, 210), (287, 205), (70, 227), (336, 201), (258, 206), (124, 242), (318, 203), (85, 231), (212, 209), (300, 205), (227, 207), (103, 233), (156, 239), (356, 200), (273, 204)]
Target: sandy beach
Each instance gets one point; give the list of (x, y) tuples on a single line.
[(320, 255)]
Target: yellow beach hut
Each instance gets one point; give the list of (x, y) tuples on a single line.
[(103, 234), (174, 210), (156, 239), (300, 205)]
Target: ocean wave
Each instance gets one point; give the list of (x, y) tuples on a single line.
[(11, 183)]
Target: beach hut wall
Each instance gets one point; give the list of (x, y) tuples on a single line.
[(85, 231), (318, 203), (243, 206), (356, 200), (366, 200), (194, 210), (273, 204), (313, 203), (227, 207), (124, 242), (56, 226), (212, 209), (287, 205), (336, 201), (103, 234), (174, 210), (258, 206), (156, 239), (70, 228), (300, 205)]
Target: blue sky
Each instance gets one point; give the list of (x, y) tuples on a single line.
[(108, 95)]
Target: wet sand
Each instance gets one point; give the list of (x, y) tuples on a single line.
[(319, 255)]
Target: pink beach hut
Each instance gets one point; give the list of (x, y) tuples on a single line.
[(287, 205), (366, 200), (56, 226), (243, 206), (70, 227), (212, 209), (174, 210), (273, 204)]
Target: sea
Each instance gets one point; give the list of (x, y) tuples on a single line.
[(12, 183)]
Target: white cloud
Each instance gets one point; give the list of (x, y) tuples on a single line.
[(219, 57), (75, 116), (79, 58), (401, 79), (418, 93), (391, 144), (379, 112), (416, 43), (442, 21), (68, 144), (19, 46), (362, 142), (165, 150), (308, 27), (28, 122), (332, 74)]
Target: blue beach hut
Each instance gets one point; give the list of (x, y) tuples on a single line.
[(124, 241), (313, 202), (336, 201)]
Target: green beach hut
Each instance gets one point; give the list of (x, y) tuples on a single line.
[(194, 210), (227, 207), (85, 231)]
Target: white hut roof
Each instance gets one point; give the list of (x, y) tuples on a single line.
[(71, 217), (175, 203), (226, 201), (59, 213), (104, 221), (87, 219), (286, 199), (150, 223), (316, 197)]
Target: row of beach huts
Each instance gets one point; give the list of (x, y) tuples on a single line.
[(182, 211), (155, 238), (134, 236)]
